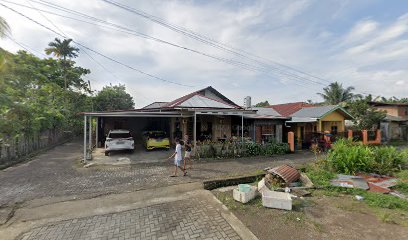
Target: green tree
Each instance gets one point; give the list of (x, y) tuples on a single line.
[(262, 104), (62, 50), (365, 116), (32, 97), (4, 27), (336, 94), (113, 98)]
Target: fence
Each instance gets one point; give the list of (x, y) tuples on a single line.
[(16, 149)]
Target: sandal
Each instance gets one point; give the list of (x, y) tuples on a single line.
[(185, 174)]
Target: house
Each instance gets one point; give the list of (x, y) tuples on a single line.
[(205, 114), (307, 120), (395, 124)]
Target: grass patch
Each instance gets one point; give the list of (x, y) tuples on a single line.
[(402, 175)]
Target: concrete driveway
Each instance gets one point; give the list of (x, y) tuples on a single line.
[(139, 155), (53, 183)]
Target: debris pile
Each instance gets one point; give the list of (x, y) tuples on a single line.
[(370, 182), (277, 188)]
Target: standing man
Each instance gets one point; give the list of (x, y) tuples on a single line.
[(177, 159), (187, 157)]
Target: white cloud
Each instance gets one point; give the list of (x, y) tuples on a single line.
[(363, 53)]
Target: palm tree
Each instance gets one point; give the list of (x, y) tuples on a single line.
[(335, 93), (4, 27), (62, 50)]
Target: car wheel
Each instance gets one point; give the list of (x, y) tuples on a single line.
[(106, 153), (132, 150)]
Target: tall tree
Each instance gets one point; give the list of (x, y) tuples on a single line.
[(335, 93), (262, 104), (113, 98), (365, 116), (62, 50), (4, 27)]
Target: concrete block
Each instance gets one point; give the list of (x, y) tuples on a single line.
[(244, 197), (261, 186), (280, 200)]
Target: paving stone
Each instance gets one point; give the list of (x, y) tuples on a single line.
[(162, 221), (56, 173)]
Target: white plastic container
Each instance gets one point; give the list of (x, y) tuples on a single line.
[(280, 200), (244, 197)]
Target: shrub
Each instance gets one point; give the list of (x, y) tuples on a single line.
[(238, 149), (386, 160), (350, 157)]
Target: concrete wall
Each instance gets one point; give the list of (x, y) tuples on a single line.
[(397, 111), (332, 119)]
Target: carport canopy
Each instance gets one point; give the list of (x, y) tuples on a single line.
[(191, 112)]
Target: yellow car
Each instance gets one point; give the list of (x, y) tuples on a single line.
[(156, 140)]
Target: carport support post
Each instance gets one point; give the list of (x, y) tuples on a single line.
[(90, 135), (195, 132), (242, 127), (96, 133), (84, 137)]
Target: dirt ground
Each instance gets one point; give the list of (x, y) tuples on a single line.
[(319, 217)]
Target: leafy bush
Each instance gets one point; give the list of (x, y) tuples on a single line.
[(350, 157), (386, 160), (273, 148), (238, 149), (253, 149)]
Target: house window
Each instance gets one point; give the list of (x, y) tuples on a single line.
[(314, 128), (334, 129)]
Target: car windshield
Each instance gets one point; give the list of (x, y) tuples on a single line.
[(119, 135), (157, 135)]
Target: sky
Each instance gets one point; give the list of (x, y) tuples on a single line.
[(291, 49)]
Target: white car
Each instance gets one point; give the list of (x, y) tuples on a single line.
[(119, 139)]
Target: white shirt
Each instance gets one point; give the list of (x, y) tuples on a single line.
[(178, 157)]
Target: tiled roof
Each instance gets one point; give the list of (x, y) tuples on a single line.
[(288, 109)]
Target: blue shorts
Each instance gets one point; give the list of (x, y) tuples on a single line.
[(177, 162)]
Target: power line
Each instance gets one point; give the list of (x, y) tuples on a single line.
[(203, 39), (132, 32), (94, 51), (209, 41), (65, 36)]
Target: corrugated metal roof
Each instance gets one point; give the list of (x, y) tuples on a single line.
[(302, 120), (264, 113), (314, 112), (155, 105), (203, 92), (198, 101), (286, 172)]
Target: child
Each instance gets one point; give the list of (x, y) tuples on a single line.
[(177, 159)]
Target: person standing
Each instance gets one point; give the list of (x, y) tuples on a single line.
[(177, 159), (188, 146)]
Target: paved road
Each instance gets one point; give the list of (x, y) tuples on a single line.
[(57, 173), (183, 219)]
